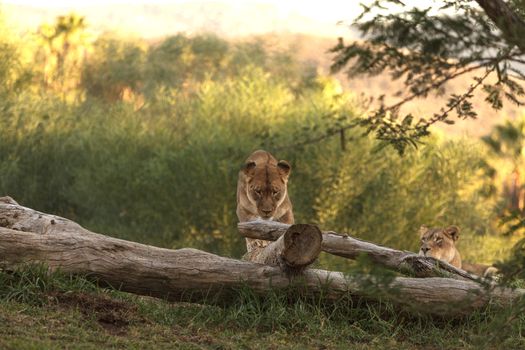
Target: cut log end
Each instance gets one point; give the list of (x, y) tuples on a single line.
[(302, 245), (297, 248)]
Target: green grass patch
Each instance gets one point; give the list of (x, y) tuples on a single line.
[(41, 310)]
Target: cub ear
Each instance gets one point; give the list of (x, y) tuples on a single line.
[(452, 232), (422, 230), (284, 168), (249, 168)]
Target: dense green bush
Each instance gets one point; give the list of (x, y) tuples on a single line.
[(115, 66), (171, 179)]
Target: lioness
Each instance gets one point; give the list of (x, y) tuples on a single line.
[(441, 244), (262, 192)]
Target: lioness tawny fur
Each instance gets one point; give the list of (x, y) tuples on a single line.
[(262, 192), (440, 243)]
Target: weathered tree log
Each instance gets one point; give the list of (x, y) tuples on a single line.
[(349, 247), (28, 236), (293, 251)]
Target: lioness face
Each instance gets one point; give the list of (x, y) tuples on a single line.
[(266, 187), (439, 243)]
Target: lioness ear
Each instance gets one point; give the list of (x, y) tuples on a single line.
[(452, 232), (422, 230), (284, 168), (249, 168)]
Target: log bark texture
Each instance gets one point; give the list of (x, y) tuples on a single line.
[(348, 247), (298, 247), (29, 236)]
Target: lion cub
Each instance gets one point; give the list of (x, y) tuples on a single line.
[(262, 192), (441, 244)]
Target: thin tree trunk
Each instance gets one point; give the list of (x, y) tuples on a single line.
[(508, 21)]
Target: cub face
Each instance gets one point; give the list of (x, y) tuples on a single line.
[(439, 243), (267, 186)]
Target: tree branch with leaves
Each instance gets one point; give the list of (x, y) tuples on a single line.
[(426, 48)]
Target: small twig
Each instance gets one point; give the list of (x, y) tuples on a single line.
[(444, 114), (434, 86), (319, 138)]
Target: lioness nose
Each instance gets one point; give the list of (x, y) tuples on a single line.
[(267, 211), (425, 249)]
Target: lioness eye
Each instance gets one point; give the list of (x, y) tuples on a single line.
[(275, 193)]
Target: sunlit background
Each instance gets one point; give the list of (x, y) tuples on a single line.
[(151, 19), (310, 27)]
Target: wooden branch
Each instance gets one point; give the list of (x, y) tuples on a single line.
[(348, 247), (28, 236), (509, 22)]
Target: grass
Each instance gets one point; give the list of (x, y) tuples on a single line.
[(40, 310)]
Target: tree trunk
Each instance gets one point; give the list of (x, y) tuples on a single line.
[(28, 236), (348, 247), (508, 21)]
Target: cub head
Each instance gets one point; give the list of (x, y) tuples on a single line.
[(439, 243), (266, 186)]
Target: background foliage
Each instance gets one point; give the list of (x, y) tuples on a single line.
[(144, 141)]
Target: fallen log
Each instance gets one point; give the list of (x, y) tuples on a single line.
[(293, 251), (348, 247), (29, 236)]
